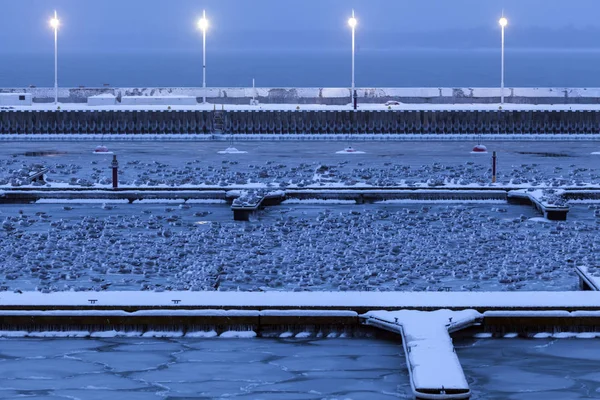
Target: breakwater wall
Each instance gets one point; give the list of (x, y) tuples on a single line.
[(298, 122), (329, 96)]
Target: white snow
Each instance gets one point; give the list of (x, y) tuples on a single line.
[(232, 150), (159, 201), (82, 201), (324, 300), (169, 101), (591, 275), (317, 201), (205, 201), (428, 346), (238, 334)]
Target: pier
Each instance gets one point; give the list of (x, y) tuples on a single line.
[(244, 201), (587, 280), (553, 209)]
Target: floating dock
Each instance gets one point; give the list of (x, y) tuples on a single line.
[(245, 201)]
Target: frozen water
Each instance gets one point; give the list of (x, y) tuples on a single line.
[(538, 369), (172, 368), (378, 247), (197, 246), (293, 164)]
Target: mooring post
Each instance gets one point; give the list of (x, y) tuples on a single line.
[(494, 167), (115, 171)]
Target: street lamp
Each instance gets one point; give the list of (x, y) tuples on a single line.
[(353, 22), (503, 22), (55, 23), (203, 26)]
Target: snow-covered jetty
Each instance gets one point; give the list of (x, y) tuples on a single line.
[(589, 279), (434, 369), (549, 202), (249, 202), (246, 201)]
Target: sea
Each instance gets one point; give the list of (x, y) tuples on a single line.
[(421, 67)]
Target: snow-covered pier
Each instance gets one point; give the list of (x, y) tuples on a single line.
[(549, 202), (247, 200), (359, 302), (587, 279), (434, 369)]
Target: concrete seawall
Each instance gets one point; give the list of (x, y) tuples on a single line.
[(298, 122), (330, 96)]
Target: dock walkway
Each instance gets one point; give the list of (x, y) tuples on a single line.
[(587, 279), (434, 369)]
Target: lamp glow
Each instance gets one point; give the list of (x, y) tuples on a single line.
[(352, 22), (503, 22), (55, 23), (203, 24)]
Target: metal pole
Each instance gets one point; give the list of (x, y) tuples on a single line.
[(502, 71), (352, 91), (115, 172), (494, 167), (204, 60), (55, 60)]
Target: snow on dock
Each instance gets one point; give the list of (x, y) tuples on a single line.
[(434, 369), (588, 279), (355, 301), (550, 202)]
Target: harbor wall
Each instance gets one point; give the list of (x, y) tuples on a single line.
[(297, 122)]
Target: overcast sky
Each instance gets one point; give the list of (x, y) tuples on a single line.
[(143, 25)]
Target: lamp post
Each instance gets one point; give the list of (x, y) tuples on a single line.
[(203, 26), (503, 22), (55, 23), (352, 22)]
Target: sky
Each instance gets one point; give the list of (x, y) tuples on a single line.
[(111, 26)]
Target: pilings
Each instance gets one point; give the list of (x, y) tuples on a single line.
[(298, 122)]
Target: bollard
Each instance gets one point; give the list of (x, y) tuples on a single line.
[(355, 97), (494, 167), (115, 171)]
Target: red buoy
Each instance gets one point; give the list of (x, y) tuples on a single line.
[(101, 149), (480, 149)]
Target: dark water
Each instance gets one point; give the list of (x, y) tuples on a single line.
[(374, 68)]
